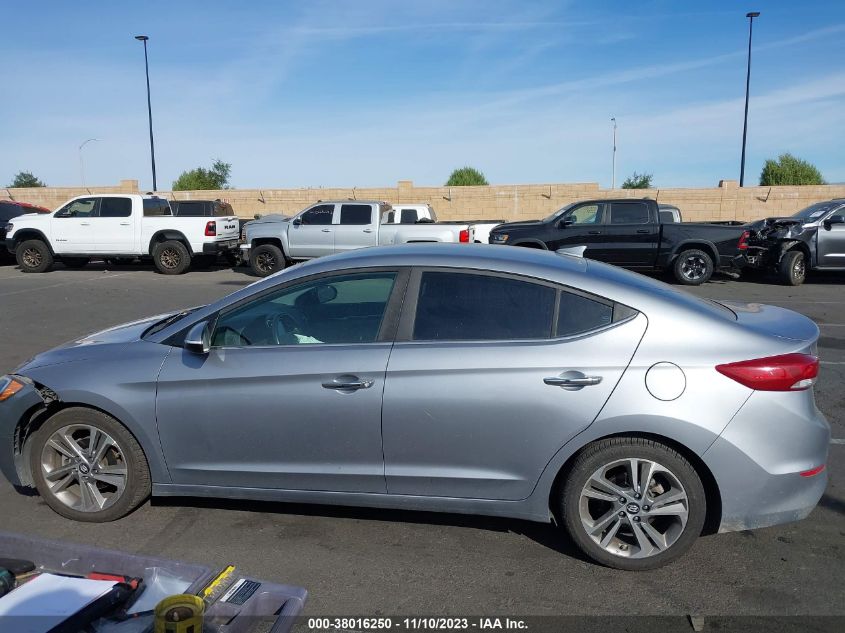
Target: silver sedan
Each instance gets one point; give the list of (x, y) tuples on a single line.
[(472, 379)]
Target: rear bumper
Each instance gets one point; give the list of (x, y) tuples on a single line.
[(758, 460), (732, 262), (218, 248)]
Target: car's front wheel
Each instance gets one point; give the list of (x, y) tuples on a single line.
[(633, 503), (34, 256), (267, 259), (792, 269), (88, 467)]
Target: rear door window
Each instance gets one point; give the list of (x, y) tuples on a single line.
[(629, 213), (356, 214), (115, 207), (456, 306)]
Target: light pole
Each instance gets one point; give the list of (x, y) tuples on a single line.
[(613, 182), (750, 16), (81, 164), (144, 38)]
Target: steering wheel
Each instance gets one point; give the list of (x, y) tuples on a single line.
[(243, 340), (285, 323)]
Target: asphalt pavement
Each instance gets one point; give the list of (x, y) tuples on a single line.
[(379, 562)]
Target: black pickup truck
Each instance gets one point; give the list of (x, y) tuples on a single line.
[(630, 233)]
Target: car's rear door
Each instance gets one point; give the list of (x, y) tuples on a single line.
[(356, 227), (113, 228), (290, 394), (473, 402), (630, 235)]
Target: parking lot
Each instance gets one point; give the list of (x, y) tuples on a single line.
[(373, 562)]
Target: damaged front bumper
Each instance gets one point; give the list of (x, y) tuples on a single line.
[(24, 403)]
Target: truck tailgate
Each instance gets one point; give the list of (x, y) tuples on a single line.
[(227, 228)]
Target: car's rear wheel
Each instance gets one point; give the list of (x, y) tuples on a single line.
[(633, 503), (88, 467), (792, 269), (266, 260), (75, 262), (171, 257), (693, 267), (34, 256)]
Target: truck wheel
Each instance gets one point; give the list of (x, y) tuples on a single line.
[(88, 467), (792, 269), (34, 256), (266, 260), (171, 258), (75, 262), (693, 267)]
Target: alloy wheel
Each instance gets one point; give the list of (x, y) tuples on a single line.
[(799, 268), (265, 262), (634, 508), (694, 267), (32, 257), (170, 258), (84, 467)]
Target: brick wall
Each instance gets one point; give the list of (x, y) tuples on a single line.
[(499, 202)]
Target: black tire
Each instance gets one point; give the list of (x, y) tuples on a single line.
[(622, 543), (171, 257), (34, 256), (792, 269), (76, 262), (137, 484), (693, 267), (266, 259)]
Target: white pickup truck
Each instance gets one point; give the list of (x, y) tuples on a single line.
[(119, 227), (327, 227)]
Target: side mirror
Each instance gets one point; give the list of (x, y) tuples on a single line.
[(834, 219), (297, 221), (198, 340), (564, 222)]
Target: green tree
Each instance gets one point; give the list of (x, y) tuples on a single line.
[(638, 181), (789, 170), (26, 179), (200, 178), (465, 177)]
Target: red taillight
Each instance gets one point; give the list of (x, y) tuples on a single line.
[(788, 372), (210, 228), (743, 241), (812, 472), (463, 236)]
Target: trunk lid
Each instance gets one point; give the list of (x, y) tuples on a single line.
[(775, 321)]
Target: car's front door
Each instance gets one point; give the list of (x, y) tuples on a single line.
[(580, 226), (490, 375), (830, 246), (72, 226), (311, 233), (630, 235), (356, 227), (290, 394)]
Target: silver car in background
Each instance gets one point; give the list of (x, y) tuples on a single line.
[(481, 380)]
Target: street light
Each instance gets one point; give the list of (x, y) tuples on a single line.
[(144, 38), (750, 16), (81, 164), (613, 183)]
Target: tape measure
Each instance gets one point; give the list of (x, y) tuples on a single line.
[(179, 614), (218, 585)]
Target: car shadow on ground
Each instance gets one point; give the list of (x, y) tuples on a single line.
[(546, 534)]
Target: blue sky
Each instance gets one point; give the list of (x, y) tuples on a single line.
[(366, 93)]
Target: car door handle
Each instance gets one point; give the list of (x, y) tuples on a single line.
[(643, 231), (559, 381), (368, 230), (593, 232), (125, 223), (327, 230), (84, 224), (350, 385)]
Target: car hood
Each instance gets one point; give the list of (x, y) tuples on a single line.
[(269, 219), (509, 226), (32, 218), (92, 345)]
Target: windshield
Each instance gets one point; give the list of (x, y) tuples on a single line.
[(816, 211), (557, 213), (158, 326)]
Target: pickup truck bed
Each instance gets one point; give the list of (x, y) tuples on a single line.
[(629, 233)]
